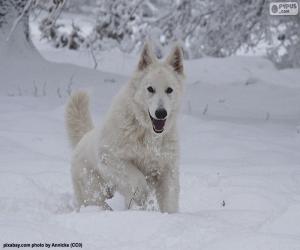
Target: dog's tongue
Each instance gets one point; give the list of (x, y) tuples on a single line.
[(158, 124)]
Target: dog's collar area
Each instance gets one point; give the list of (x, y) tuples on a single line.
[(157, 124)]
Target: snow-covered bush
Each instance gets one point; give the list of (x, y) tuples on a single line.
[(51, 30), (286, 49)]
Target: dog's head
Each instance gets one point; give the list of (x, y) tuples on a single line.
[(158, 88)]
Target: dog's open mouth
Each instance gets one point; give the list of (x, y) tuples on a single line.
[(157, 124)]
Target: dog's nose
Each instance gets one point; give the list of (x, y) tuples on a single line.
[(161, 113)]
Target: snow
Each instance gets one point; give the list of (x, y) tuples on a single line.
[(240, 175)]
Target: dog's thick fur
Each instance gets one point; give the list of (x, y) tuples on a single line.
[(127, 154)]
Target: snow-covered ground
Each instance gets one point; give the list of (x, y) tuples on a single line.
[(240, 156)]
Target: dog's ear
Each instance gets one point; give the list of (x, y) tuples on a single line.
[(175, 59), (147, 57)]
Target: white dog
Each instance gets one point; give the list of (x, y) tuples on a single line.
[(136, 150)]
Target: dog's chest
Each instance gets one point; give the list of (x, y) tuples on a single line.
[(152, 156)]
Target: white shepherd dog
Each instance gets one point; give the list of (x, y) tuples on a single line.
[(136, 150)]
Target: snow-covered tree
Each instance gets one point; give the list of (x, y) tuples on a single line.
[(205, 28), (214, 28), (119, 23)]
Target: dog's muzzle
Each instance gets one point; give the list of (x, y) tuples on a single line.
[(157, 124)]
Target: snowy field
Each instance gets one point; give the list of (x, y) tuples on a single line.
[(240, 156)]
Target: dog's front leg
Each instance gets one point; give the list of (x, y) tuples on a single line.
[(167, 191), (128, 179)]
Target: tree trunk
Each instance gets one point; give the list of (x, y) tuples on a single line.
[(15, 40)]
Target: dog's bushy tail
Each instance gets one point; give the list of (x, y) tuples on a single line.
[(78, 118)]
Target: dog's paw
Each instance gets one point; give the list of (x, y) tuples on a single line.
[(140, 192)]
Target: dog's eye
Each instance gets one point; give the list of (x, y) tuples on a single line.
[(169, 90), (151, 90)]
